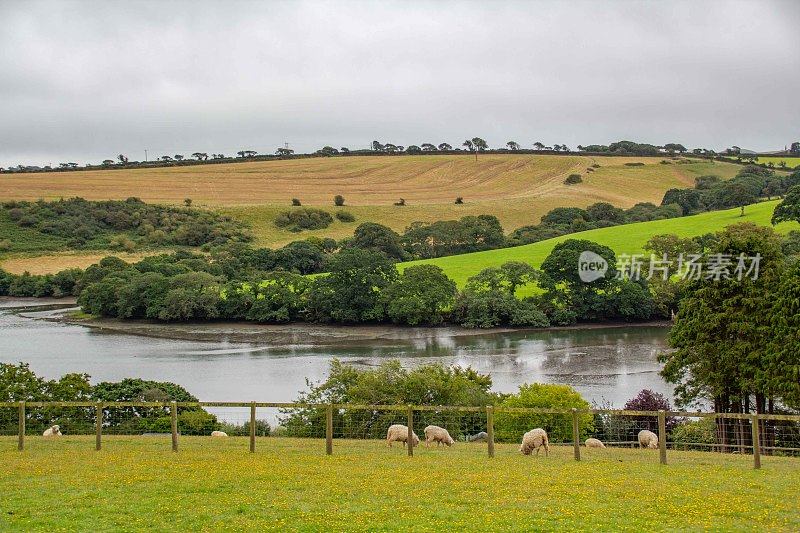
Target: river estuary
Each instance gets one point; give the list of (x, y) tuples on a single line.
[(609, 364)]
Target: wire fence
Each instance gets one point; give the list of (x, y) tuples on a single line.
[(586, 432)]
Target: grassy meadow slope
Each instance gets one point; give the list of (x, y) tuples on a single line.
[(137, 483), (629, 238)]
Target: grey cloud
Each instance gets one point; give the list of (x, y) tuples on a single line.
[(85, 81)]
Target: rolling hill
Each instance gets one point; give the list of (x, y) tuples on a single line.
[(628, 239), (517, 188)]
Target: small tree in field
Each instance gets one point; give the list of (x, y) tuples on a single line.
[(296, 202), (338, 200)]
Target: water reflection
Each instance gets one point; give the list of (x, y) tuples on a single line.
[(603, 364)]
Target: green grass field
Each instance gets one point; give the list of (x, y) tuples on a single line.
[(791, 162), (629, 239), (137, 483)]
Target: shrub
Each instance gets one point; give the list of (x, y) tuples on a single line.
[(459, 200), (296, 202), (306, 218), (703, 431), (5, 245), (197, 422), (496, 308), (390, 384), (648, 400), (401, 202), (573, 179), (509, 426), (338, 200), (595, 166), (636, 164), (83, 223), (263, 429), (345, 216), (379, 238), (122, 242)]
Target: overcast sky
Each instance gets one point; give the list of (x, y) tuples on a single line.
[(86, 81)]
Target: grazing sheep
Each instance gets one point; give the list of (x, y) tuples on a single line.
[(594, 443), (218, 434), (437, 435), (648, 439), (54, 431), (480, 437), (534, 440), (399, 433)]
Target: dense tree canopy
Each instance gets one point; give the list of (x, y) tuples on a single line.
[(728, 331)]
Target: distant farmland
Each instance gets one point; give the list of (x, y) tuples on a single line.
[(518, 189), (370, 180), (791, 162)]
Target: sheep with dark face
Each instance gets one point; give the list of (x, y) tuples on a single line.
[(437, 435), (399, 433), (535, 439), (648, 439), (54, 431)]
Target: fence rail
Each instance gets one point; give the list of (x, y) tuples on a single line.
[(756, 433)]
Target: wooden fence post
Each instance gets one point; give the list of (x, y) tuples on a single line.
[(174, 416), (756, 432), (662, 436), (490, 429), (576, 435), (98, 425), (410, 441), (252, 427), (21, 430), (329, 430)]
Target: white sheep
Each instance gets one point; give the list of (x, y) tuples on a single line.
[(648, 439), (534, 440), (437, 435), (594, 443), (54, 431), (218, 434), (399, 433)]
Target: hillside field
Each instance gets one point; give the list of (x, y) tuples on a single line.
[(517, 188), (791, 162), (628, 239), (138, 483)]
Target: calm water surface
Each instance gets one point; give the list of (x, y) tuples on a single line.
[(609, 364)]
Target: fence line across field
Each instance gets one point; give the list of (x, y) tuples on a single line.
[(753, 422)]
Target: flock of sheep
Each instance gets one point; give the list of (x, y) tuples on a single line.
[(535, 439)]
